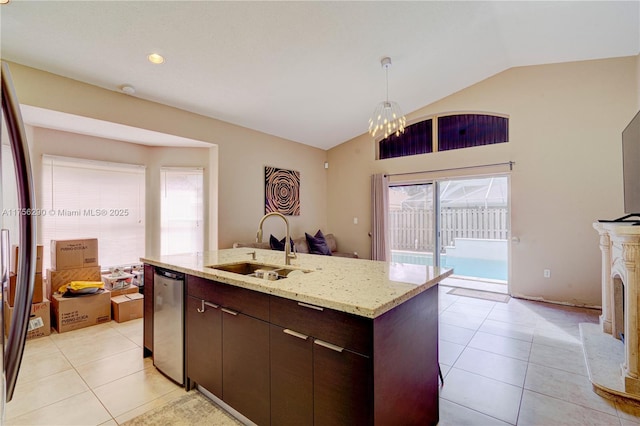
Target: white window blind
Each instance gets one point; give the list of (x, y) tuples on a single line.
[(182, 210), (94, 199)]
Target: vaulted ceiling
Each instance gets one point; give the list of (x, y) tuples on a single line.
[(307, 71)]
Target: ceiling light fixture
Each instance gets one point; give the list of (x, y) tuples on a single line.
[(128, 89), (387, 117), (155, 58)]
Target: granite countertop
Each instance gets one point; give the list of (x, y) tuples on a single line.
[(362, 287)]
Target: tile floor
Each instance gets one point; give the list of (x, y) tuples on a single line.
[(515, 363)]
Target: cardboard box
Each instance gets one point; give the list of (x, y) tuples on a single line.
[(127, 307), (14, 259), (38, 289), (118, 282), (55, 279), (71, 254), (130, 289), (72, 313), (39, 319)]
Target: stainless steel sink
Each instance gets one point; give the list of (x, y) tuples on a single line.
[(272, 272)]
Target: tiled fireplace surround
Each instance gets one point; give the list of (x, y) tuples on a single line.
[(620, 246)]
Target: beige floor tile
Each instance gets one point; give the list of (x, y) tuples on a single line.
[(460, 319), (470, 309), (93, 349), (562, 337), (39, 364), (81, 409), (569, 387), (48, 390), (490, 397), (455, 334), (513, 331), (134, 390), (114, 367), (96, 331), (449, 352), (537, 410), (625, 422), (40, 345), (527, 318), (111, 422), (452, 414), (501, 345), (565, 358), (494, 366)]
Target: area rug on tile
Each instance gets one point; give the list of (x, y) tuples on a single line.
[(478, 294), (190, 409)]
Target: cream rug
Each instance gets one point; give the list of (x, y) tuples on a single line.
[(478, 294), (190, 409)]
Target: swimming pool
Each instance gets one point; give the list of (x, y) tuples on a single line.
[(467, 267)]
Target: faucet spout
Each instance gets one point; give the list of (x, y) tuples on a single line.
[(287, 243)]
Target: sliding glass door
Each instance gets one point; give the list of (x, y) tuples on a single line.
[(461, 223)]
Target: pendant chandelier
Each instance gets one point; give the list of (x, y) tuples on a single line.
[(387, 118)]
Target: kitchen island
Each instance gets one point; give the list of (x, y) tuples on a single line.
[(337, 341)]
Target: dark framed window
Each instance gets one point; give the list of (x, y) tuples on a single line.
[(454, 132), (468, 130), (416, 139)]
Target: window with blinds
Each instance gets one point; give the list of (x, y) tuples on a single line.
[(182, 211), (93, 199)]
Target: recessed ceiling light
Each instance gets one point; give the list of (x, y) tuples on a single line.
[(4, 1), (155, 58)]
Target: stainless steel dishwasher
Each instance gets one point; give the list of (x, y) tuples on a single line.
[(168, 324)]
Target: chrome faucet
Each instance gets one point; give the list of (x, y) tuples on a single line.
[(287, 245)]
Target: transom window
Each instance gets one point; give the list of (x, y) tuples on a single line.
[(454, 131)]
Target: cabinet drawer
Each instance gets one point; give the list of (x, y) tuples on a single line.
[(338, 328), (248, 302), (204, 289)]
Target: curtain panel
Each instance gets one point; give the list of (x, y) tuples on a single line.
[(379, 220)]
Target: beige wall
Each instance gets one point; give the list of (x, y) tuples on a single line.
[(242, 153), (565, 138)]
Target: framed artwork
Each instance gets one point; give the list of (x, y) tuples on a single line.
[(281, 191)]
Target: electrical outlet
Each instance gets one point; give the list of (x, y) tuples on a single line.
[(355, 220), (547, 273)]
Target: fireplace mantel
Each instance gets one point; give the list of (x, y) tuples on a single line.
[(620, 246)]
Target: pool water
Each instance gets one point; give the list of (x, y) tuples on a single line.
[(467, 267)]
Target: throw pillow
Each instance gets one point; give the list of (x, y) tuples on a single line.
[(318, 244), (279, 245)]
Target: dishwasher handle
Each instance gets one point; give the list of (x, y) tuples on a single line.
[(170, 274)]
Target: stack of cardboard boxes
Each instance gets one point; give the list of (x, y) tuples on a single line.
[(76, 260), (126, 301), (40, 316)]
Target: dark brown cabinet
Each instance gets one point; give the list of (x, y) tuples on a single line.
[(291, 378), (342, 386), (227, 349), (245, 367), (204, 344), (314, 364), (148, 310)]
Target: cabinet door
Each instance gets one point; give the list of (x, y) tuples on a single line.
[(245, 370), (204, 345), (291, 378), (342, 386), (148, 310)]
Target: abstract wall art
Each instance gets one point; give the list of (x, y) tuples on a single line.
[(282, 191)]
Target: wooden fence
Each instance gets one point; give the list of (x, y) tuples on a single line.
[(414, 229)]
